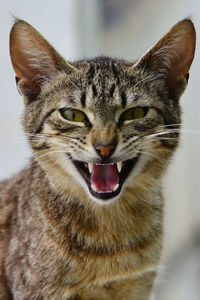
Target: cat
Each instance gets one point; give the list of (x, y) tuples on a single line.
[(84, 219)]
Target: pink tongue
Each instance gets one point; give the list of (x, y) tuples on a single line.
[(104, 177)]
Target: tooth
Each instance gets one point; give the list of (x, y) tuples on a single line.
[(115, 187), (90, 167), (94, 187), (119, 166)]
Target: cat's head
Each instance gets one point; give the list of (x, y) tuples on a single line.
[(99, 124)]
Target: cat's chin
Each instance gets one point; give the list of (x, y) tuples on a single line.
[(105, 196)]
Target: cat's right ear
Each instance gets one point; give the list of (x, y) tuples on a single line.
[(33, 58)]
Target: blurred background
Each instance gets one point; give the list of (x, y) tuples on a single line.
[(126, 29)]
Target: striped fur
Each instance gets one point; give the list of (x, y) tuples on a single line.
[(57, 241)]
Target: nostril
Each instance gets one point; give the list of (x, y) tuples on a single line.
[(105, 150)]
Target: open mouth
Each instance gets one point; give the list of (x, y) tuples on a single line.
[(105, 181)]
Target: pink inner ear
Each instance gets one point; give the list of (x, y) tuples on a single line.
[(180, 64), (27, 78), (173, 54), (32, 57)]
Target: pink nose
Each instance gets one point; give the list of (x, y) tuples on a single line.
[(105, 150)]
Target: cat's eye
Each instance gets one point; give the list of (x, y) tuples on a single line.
[(133, 114), (73, 115)]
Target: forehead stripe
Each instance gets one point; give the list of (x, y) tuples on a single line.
[(124, 99), (94, 90), (112, 89), (115, 72), (91, 74), (83, 98)]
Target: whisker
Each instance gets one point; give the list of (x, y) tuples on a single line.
[(148, 78), (160, 133), (157, 157), (173, 124), (45, 154), (170, 138), (130, 142), (13, 129), (185, 134), (68, 137)]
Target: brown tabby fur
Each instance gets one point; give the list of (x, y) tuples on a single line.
[(57, 241)]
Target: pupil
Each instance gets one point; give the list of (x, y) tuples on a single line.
[(132, 114), (73, 115)]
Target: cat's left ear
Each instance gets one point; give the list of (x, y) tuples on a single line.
[(172, 56), (34, 59)]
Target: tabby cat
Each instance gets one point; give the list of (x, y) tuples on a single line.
[(84, 220)]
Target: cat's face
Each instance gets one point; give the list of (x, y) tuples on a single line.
[(102, 122)]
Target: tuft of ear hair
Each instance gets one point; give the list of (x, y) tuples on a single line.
[(172, 56), (33, 58)]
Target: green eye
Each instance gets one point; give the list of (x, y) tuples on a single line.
[(133, 114), (73, 115)]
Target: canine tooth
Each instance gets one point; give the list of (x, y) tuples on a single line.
[(115, 187), (94, 187), (119, 166), (90, 167)]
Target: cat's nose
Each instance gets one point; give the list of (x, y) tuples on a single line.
[(105, 150)]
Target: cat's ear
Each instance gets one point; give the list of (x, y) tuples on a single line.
[(172, 55), (33, 58)]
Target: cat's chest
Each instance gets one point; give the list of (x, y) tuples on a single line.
[(86, 266), (74, 273), (92, 254)]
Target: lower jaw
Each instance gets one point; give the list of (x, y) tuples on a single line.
[(105, 196), (108, 195)]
